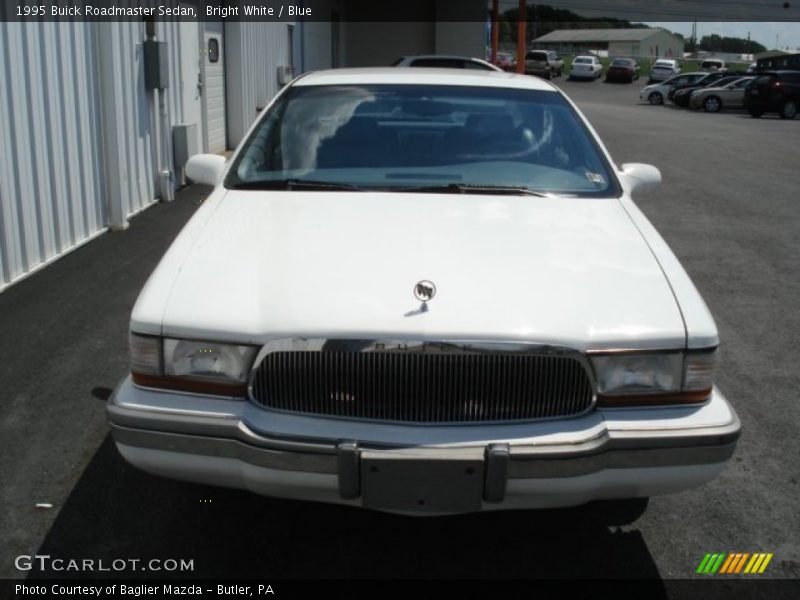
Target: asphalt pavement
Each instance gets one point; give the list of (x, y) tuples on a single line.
[(728, 207)]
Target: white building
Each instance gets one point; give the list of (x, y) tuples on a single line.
[(88, 140), (640, 42)]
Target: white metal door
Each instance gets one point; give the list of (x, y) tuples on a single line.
[(214, 87), (191, 79)]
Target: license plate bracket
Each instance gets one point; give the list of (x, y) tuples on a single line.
[(409, 483)]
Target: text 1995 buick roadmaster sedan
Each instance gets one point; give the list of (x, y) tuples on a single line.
[(423, 291)]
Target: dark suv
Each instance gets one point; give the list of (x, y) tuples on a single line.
[(773, 91)]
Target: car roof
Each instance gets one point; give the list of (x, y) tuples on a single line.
[(424, 76)]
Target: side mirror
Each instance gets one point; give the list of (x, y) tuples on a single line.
[(641, 176), (205, 168)]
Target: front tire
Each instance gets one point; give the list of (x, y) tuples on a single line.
[(712, 104), (756, 114), (655, 98), (789, 110)]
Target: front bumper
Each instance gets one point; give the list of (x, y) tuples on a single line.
[(423, 469)]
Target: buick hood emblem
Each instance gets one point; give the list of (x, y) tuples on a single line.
[(424, 290)]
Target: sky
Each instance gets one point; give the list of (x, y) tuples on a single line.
[(788, 32)]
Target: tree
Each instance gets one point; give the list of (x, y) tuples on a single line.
[(733, 45), (544, 19)]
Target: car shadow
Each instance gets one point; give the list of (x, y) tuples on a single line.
[(116, 511)]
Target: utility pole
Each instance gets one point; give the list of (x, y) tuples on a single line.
[(522, 44)]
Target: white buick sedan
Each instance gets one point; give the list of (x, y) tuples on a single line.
[(423, 291)]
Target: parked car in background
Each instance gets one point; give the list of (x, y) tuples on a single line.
[(712, 64), (506, 61), (773, 91), (586, 67), (718, 96), (707, 79), (625, 70), (663, 69), (683, 94), (264, 357), (443, 61), (544, 63), (752, 68), (657, 93)]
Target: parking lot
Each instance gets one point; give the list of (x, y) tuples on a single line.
[(728, 207)]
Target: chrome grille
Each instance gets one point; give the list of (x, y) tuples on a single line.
[(423, 387)]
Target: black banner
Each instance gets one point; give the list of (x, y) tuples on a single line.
[(386, 11), (708, 589)]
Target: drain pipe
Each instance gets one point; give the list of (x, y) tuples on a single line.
[(166, 175)]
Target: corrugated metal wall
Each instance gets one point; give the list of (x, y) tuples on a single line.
[(81, 140), (54, 175), (137, 117), (51, 190), (255, 51), (139, 112)]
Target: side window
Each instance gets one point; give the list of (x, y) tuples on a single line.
[(213, 50), (438, 63), (467, 64)]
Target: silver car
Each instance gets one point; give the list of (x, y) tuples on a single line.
[(714, 99), (445, 61), (663, 69)]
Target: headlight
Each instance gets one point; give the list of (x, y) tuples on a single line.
[(191, 365), (652, 378)]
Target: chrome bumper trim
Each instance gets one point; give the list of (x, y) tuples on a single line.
[(209, 436)]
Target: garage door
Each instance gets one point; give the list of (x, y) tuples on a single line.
[(214, 83)]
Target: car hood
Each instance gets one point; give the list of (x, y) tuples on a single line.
[(564, 271)]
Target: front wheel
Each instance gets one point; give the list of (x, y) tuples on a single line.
[(789, 110), (712, 104), (756, 114), (548, 75), (655, 98)]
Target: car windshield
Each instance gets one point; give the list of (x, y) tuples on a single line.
[(662, 63), (423, 138), (621, 62), (583, 60)]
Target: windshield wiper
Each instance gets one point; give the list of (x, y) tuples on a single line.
[(296, 184), (466, 188)]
